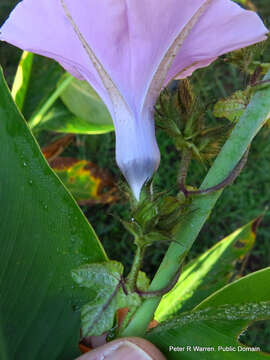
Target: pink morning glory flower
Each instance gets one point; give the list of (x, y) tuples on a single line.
[(128, 50)]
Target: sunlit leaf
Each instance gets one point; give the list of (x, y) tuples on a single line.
[(22, 78), (44, 235), (86, 181), (209, 272), (250, 288), (218, 321), (60, 119), (210, 333)]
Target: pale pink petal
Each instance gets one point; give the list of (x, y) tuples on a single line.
[(130, 39), (137, 153), (42, 27), (224, 27)]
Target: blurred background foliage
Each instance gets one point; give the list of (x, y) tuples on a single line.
[(248, 198)]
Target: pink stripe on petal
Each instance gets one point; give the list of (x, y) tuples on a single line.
[(42, 27), (224, 27), (129, 39)]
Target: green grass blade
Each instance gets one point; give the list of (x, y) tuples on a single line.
[(22, 78)]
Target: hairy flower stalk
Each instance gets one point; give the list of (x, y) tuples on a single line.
[(128, 50)]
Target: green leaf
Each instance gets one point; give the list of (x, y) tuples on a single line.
[(233, 150), (21, 80), (85, 180), (251, 287), (130, 301), (103, 281), (107, 296), (214, 329), (98, 315), (218, 320), (208, 273), (233, 107), (48, 103), (44, 78), (98, 276), (143, 281), (82, 101), (248, 4), (60, 119), (44, 235)]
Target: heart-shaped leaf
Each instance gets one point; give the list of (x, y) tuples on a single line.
[(104, 282)]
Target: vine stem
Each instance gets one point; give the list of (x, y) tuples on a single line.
[(228, 181), (253, 119), (184, 165), (136, 266)]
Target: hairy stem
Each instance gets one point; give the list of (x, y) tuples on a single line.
[(248, 126), (185, 161), (137, 263)]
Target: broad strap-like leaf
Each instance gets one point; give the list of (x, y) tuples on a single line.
[(208, 273), (251, 288), (218, 321), (43, 236), (210, 334)]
